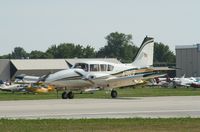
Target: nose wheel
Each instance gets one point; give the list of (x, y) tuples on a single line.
[(114, 94), (69, 95)]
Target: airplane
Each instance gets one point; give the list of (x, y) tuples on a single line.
[(39, 88), (104, 75), (182, 81), (11, 87), (161, 81), (25, 79), (27, 84), (196, 84)]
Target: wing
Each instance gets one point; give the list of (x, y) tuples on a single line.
[(130, 80)]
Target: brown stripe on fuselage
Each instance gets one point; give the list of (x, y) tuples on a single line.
[(132, 72)]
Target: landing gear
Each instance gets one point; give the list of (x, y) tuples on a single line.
[(66, 95), (114, 94), (70, 95)]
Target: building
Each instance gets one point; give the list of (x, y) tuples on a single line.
[(38, 67), (4, 69), (188, 60)]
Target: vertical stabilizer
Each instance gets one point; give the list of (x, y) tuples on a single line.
[(144, 56)]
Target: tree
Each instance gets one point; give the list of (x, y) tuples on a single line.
[(70, 50), (162, 54), (19, 53), (39, 55), (78, 51), (119, 46), (89, 52), (65, 50), (8, 56), (52, 51)]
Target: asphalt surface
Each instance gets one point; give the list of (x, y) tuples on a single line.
[(147, 107)]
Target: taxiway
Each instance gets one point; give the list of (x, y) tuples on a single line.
[(147, 107)]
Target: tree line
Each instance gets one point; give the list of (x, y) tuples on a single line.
[(119, 45)]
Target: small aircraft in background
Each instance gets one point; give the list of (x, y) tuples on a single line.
[(182, 81), (104, 75), (32, 84), (5, 86), (196, 84), (25, 79), (39, 88), (164, 81), (26, 84), (174, 82)]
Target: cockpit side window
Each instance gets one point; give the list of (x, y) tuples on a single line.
[(81, 66), (103, 67), (94, 67), (110, 67)]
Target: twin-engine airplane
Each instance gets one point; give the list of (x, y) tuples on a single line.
[(104, 75)]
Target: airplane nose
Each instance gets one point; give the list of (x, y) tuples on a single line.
[(64, 74)]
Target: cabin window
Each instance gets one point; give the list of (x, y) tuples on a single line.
[(94, 67), (81, 66), (110, 67), (103, 67)]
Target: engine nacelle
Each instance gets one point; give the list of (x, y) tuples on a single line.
[(91, 77)]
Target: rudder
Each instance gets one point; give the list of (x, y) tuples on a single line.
[(144, 56)]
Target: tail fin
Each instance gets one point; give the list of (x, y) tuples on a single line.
[(144, 56)]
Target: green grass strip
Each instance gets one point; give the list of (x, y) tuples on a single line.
[(101, 125)]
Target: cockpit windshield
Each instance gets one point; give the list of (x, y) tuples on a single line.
[(83, 66)]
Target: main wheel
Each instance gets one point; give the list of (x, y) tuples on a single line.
[(114, 94), (70, 95), (64, 95)]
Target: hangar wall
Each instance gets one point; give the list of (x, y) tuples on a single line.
[(188, 60), (4, 69)]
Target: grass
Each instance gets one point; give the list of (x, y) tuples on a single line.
[(127, 92), (101, 125)]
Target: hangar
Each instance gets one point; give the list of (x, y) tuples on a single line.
[(38, 67), (188, 60), (4, 69)]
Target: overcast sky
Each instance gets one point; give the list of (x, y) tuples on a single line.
[(38, 24)]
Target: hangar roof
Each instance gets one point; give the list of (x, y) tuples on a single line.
[(48, 64), (187, 46), (39, 64)]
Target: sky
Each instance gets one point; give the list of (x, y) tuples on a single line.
[(38, 24)]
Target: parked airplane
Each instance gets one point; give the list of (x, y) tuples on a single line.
[(27, 84), (39, 88), (104, 75), (25, 79), (161, 81), (10, 87), (196, 84), (182, 81)]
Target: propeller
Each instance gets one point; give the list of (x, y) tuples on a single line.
[(84, 77)]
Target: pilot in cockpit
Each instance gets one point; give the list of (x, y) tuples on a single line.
[(82, 66)]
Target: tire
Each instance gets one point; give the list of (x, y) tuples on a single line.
[(70, 95), (114, 94), (64, 95)]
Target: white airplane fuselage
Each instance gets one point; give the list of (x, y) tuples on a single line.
[(76, 78)]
